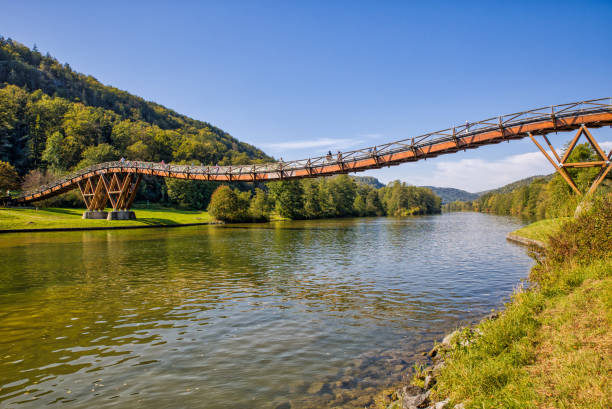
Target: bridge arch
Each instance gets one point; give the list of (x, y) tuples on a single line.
[(116, 182)]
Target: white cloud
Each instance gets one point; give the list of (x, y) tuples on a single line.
[(606, 146), (337, 143), (480, 174)]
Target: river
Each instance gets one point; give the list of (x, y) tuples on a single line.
[(282, 315)]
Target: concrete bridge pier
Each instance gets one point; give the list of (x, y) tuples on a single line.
[(112, 215), (121, 215), (95, 214)]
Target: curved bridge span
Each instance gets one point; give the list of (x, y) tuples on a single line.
[(117, 182)]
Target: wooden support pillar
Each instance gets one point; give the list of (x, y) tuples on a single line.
[(94, 195), (117, 188), (552, 149), (125, 191), (100, 197), (83, 188), (602, 175), (561, 164), (561, 171), (133, 191)]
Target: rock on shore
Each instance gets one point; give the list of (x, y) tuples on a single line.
[(414, 396)]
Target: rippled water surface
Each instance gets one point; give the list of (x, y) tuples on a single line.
[(295, 314)]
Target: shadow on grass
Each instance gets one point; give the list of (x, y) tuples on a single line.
[(166, 210), (156, 221), (71, 212)]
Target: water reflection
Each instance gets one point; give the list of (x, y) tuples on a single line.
[(317, 313)]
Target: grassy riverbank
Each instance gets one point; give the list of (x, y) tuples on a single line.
[(61, 218), (552, 345), (542, 229)]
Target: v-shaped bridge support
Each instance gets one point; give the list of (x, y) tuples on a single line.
[(117, 188), (561, 164)]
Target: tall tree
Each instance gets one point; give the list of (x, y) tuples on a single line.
[(288, 196), (9, 179)]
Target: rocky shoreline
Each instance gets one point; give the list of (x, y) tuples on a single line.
[(357, 384), (410, 378), (417, 394), (524, 241)]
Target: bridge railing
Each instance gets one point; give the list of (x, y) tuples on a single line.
[(459, 132), (455, 133)]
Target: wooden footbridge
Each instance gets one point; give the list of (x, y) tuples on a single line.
[(116, 183)]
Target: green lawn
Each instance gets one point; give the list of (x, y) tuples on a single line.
[(48, 218), (542, 229)]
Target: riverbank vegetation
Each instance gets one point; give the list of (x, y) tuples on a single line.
[(62, 218), (338, 196), (552, 344), (542, 229)]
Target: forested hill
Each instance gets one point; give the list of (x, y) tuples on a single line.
[(510, 187), (369, 180), (450, 194), (52, 116)]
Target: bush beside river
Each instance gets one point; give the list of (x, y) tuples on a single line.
[(550, 346)]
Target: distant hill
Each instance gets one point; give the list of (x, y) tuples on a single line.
[(449, 194), (515, 185), (54, 117), (369, 180)]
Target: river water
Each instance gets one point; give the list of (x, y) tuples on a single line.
[(282, 315)]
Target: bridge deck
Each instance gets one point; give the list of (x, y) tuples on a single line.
[(542, 121)]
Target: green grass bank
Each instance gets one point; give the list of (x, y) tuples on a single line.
[(551, 346), (542, 229), (65, 218)]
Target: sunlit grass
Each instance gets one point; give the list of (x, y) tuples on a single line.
[(542, 229), (47, 218)]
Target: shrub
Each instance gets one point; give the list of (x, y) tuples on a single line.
[(228, 205), (581, 240)]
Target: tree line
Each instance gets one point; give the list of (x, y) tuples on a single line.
[(542, 197), (328, 197)]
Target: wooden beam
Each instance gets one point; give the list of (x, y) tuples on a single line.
[(561, 171), (552, 149), (594, 144), (85, 198), (125, 191), (602, 175), (133, 192), (583, 164), (108, 187), (572, 144)]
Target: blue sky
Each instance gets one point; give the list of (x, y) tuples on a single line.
[(299, 78)]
